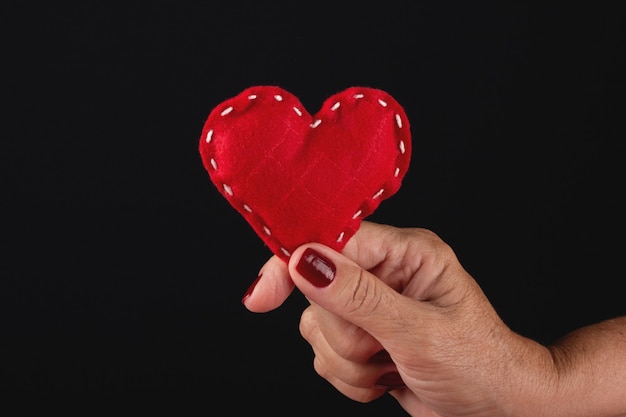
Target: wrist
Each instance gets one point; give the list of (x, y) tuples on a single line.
[(529, 383), (577, 377), (590, 364)]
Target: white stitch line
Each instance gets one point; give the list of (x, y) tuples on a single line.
[(398, 121), (313, 125), (209, 136)]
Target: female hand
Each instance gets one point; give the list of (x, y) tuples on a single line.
[(396, 312)]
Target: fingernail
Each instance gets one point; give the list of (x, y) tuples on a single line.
[(250, 289), (317, 269), (390, 381)]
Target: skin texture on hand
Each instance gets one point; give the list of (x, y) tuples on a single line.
[(397, 313)]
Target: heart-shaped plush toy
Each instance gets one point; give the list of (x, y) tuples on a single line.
[(298, 178)]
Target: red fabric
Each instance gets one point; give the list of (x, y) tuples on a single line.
[(298, 178)]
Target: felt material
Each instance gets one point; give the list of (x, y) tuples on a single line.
[(297, 177)]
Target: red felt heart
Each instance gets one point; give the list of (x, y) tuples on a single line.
[(298, 178)]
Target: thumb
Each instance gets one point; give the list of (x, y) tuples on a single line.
[(339, 285)]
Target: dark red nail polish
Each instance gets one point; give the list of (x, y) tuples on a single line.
[(317, 269), (250, 289), (390, 381)]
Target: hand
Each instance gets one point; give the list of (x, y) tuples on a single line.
[(396, 312)]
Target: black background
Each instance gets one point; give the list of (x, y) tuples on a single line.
[(123, 267)]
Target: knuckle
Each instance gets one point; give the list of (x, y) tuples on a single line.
[(364, 295), (308, 323), (320, 369), (356, 345)]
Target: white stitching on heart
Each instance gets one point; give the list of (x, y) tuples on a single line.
[(398, 121), (313, 125)]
